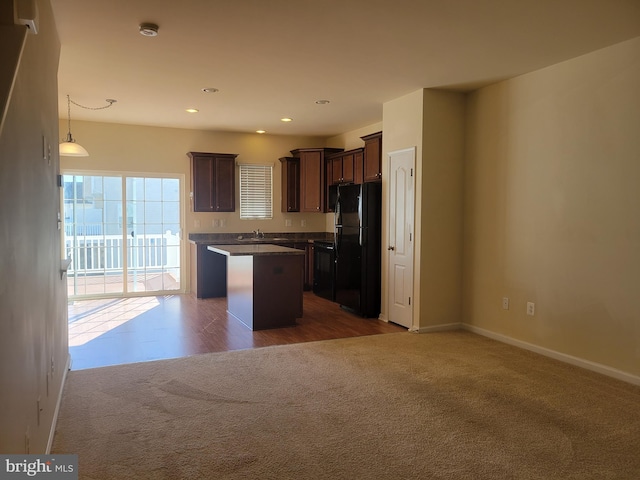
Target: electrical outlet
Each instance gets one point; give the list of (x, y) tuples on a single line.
[(223, 222), (505, 303), (287, 222), (216, 223), (303, 223), (531, 308)]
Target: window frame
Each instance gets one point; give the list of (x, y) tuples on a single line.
[(256, 191)]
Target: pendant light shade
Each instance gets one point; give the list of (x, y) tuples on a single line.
[(69, 148)]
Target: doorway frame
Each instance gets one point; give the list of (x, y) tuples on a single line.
[(183, 240), (415, 253)]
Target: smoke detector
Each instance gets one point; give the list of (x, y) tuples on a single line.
[(148, 29)]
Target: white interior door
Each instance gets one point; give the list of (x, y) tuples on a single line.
[(401, 223)]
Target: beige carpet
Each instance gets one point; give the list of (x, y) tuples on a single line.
[(449, 405)]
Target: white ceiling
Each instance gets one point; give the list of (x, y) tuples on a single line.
[(275, 58)]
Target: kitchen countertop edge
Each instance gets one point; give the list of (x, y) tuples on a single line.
[(261, 249), (234, 238)]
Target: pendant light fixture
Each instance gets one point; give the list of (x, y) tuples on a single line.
[(70, 148)]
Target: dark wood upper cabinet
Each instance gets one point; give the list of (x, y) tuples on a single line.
[(342, 167), (213, 181), (358, 166), (290, 167), (372, 157), (312, 177)]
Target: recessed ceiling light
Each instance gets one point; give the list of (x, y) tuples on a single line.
[(286, 119), (192, 110), (322, 102), (210, 90), (148, 29), (261, 131)]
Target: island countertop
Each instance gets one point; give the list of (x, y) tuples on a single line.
[(254, 250)]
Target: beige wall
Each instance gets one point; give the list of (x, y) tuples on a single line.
[(33, 308), (352, 139), (433, 122), (149, 150), (551, 208), (440, 208), (402, 121), (141, 149)]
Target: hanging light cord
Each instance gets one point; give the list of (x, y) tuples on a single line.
[(109, 101)]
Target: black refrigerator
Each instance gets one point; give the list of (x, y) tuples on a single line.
[(357, 252)]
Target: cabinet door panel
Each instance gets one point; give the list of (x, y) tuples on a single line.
[(311, 179), (347, 169), (372, 157), (336, 170), (224, 184), (358, 168), (202, 179), (290, 184)]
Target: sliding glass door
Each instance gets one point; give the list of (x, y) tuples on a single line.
[(122, 234)]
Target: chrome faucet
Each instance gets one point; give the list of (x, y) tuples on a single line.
[(258, 234)]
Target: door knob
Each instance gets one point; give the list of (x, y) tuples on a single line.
[(391, 248)]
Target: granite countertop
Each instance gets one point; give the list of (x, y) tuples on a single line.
[(248, 238), (254, 250)]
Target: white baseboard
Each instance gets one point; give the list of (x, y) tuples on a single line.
[(563, 357), (54, 421), (437, 328)]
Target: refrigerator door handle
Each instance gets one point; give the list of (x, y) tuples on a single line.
[(337, 225)]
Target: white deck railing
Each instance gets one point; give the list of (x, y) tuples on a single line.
[(100, 253)]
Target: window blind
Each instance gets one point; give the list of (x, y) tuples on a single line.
[(256, 197)]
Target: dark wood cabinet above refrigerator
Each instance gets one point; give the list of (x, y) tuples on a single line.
[(372, 157), (312, 177)]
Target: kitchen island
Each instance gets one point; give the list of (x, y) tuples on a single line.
[(264, 284)]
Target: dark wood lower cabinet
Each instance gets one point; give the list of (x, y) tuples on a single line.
[(208, 272), (265, 291)]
